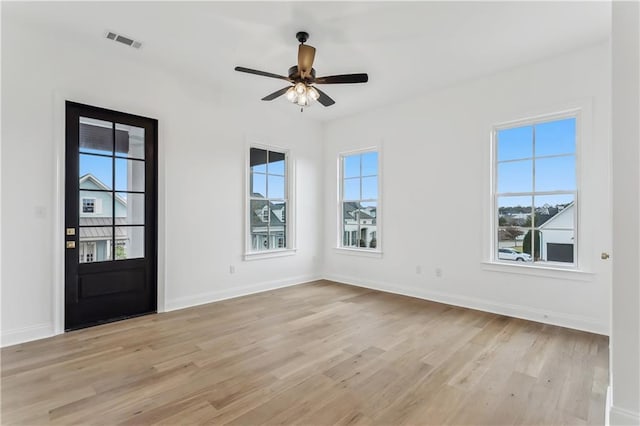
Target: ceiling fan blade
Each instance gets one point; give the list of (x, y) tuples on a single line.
[(306, 54), (343, 79), (324, 99), (262, 73), (276, 94)]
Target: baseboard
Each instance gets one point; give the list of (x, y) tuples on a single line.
[(518, 311), (230, 293), (621, 417), (26, 334)]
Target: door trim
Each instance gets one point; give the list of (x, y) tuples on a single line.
[(58, 214)]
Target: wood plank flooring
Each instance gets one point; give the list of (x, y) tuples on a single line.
[(315, 354)]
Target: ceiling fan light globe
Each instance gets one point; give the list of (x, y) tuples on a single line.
[(292, 95), (313, 94), (303, 100), (300, 88)]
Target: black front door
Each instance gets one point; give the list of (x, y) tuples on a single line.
[(111, 205)]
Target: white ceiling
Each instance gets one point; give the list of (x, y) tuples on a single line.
[(407, 48)]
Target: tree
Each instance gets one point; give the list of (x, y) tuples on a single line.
[(512, 232), (526, 244)]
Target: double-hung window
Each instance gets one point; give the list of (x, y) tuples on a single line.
[(359, 227), (535, 192), (268, 200)]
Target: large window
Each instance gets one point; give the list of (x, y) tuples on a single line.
[(535, 192), (268, 194), (359, 200)]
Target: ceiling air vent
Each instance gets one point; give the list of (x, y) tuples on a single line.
[(124, 40)]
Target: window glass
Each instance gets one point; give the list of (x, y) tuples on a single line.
[(268, 225), (359, 204), (535, 193)]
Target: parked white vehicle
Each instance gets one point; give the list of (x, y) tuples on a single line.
[(511, 254)]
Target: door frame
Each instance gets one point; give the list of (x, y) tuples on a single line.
[(58, 191)]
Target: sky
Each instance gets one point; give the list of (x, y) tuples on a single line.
[(268, 177), (361, 170), (517, 153)]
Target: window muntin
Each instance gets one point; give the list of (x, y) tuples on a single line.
[(535, 192), (268, 199), (359, 196)]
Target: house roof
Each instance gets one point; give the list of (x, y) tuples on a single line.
[(560, 213), (351, 206), (256, 214), (97, 228), (100, 185)]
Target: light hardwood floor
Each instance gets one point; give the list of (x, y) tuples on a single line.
[(315, 354)]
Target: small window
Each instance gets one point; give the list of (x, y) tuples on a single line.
[(359, 200), (268, 200), (88, 205), (535, 193)]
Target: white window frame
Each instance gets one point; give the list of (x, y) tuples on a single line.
[(575, 113), (364, 251), (289, 172)]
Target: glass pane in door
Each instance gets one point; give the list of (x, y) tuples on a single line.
[(96, 172), (96, 136), (129, 141), (129, 175), (129, 209), (129, 242), (95, 244)]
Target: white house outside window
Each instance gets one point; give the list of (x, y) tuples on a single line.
[(535, 192), (359, 200), (268, 199)]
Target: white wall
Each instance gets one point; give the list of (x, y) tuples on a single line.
[(202, 146), (625, 291), (435, 190), (435, 180)]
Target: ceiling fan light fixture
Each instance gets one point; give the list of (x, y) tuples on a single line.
[(303, 100), (300, 88)]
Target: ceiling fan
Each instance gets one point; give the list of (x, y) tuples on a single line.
[(302, 77)]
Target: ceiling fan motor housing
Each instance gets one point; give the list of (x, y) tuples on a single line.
[(295, 75)]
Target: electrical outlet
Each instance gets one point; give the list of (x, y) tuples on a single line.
[(232, 269), (418, 269), (439, 272)]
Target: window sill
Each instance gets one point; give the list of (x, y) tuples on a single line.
[(269, 254), (539, 271), (359, 252)]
